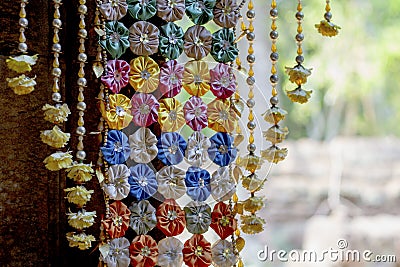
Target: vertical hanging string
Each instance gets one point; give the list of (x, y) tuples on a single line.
[(23, 23)]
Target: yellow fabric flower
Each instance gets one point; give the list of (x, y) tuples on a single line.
[(299, 95), (298, 74), (55, 137), (196, 78), (81, 240), (274, 154), (253, 204), (78, 195), (119, 115), (327, 28), (252, 224), (276, 134), (170, 115), (221, 116), (144, 74), (22, 84), (81, 219), (21, 63), (253, 182), (274, 115), (250, 162), (56, 114), (80, 172), (58, 161)]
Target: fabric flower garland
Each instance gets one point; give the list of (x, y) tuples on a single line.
[(116, 150), (143, 251), (171, 40), (170, 11), (116, 41), (200, 11), (170, 115), (142, 10), (170, 252), (116, 75), (143, 38), (118, 222), (171, 147), (143, 181), (197, 252), (144, 74), (143, 144), (144, 109), (114, 10), (198, 41), (171, 182), (143, 217), (171, 75), (170, 218)]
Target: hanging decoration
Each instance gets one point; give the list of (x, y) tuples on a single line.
[(298, 74), (326, 27), (22, 64)]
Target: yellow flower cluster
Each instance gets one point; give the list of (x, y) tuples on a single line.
[(81, 219), (22, 63), (252, 224), (55, 137), (327, 28), (80, 172), (58, 161), (78, 195), (274, 154), (56, 114), (22, 84), (81, 240)]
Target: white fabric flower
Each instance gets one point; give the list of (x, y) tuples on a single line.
[(171, 182), (223, 185), (223, 254), (170, 252), (117, 187), (118, 256), (143, 144), (196, 152)]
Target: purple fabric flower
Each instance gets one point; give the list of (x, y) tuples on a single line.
[(195, 111), (143, 181), (144, 109), (117, 75), (171, 74), (223, 81)]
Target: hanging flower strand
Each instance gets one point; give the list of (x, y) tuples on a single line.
[(326, 27), (22, 84), (298, 74)]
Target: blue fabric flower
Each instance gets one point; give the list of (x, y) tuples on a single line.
[(222, 151), (198, 183), (171, 148), (116, 150), (143, 182)]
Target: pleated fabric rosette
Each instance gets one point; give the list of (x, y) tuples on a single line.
[(169, 148)]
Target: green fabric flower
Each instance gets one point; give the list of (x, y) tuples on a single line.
[(116, 41), (142, 9), (224, 48), (171, 40), (200, 11)]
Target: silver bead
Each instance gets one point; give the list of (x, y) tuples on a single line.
[(328, 16), (82, 33), (251, 58), (56, 48), (251, 147), (82, 82), (82, 9), (57, 23), (81, 130), (23, 47), (81, 106), (251, 103), (251, 80), (251, 125), (81, 154), (274, 101), (299, 37), (82, 57), (23, 22), (56, 97), (56, 72)]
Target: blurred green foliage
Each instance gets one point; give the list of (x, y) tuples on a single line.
[(356, 75)]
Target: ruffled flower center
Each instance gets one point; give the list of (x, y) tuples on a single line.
[(144, 2), (173, 182), (198, 111), (117, 146), (145, 251), (115, 37), (197, 79), (172, 3), (172, 115), (145, 74), (173, 79), (144, 38), (120, 111), (224, 221), (223, 149), (173, 149), (117, 221), (198, 41), (226, 253), (201, 183), (224, 81), (172, 39), (199, 5), (117, 76), (143, 181), (225, 45), (114, 3), (223, 115), (144, 109), (171, 215), (227, 10), (171, 254), (198, 251)]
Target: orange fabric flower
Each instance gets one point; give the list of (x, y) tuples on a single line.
[(143, 251), (170, 218), (221, 116), (223, 222), (118, 222), (197, 252)]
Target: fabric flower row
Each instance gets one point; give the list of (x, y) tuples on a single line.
[(142, 182), (145, 39), (144, 251), (224, 12), (171, 219)]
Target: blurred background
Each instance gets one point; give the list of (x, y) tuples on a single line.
[(341, 176)]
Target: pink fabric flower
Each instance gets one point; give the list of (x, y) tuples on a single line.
[(223, 81), (196, 113), (171, 74), (144, 109), (117, 75)]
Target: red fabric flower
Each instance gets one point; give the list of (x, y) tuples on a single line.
[(170, 218), (171, 74), (144, 109), (118, 222), (195, 111), (223, 222), (143, 251), (223, 81), (197, 252), (117, 75)]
